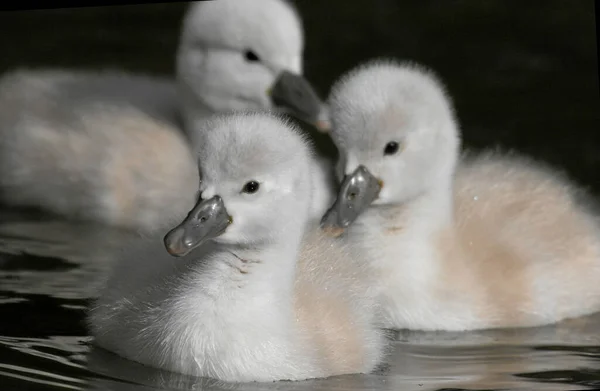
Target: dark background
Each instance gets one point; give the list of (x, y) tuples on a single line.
[(523, 74)]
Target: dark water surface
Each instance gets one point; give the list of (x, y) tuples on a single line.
[(523, 75)]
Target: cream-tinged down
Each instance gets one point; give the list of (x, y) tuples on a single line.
[(458, 242)]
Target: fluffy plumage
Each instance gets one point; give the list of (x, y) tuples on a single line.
[(108, 146), (493, 240), (270, 299)]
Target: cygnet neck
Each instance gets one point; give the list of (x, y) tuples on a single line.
[(268, 269), (193, 111), (436, 204), (429, 210)]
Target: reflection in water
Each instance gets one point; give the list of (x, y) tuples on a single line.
[(521, 72), (45, 341), (52, 361), (71, 363)]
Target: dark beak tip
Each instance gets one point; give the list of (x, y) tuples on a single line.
[(175, 252), (332, 230), (172, 247), (297, 96), (330, 224), (323, 126)]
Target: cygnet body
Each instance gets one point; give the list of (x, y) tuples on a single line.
[(256, 293), (490, 240), (115, 147)]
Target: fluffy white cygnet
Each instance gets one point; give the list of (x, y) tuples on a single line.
[(231, 54), (256, 293), (491, 240), (108, 146)]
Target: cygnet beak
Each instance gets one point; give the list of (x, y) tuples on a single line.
[(323, 123), (207, 220), (295, 95), (357, 191)]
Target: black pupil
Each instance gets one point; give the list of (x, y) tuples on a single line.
[(251, 187), (250, 55), (391, 148)]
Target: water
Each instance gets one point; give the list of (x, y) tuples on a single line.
[(523, 76)]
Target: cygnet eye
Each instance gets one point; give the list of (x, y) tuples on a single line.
[(251, 56), (391, 148), (251, 187)]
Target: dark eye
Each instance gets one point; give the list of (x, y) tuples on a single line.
[(251, 187), (251, 56), (391, 148)]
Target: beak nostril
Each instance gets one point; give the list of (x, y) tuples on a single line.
[(203, 219), (351, 196)]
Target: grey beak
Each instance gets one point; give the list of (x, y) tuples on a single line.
[(207, 220), (295, 94), (357, 191)]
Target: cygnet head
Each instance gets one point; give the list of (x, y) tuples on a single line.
[(397, 135), (254, 184), (247, 54)]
